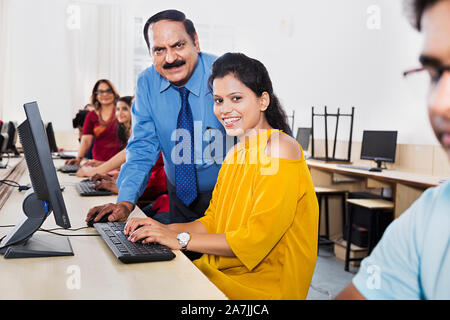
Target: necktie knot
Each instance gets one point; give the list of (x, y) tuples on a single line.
[(184, 92)]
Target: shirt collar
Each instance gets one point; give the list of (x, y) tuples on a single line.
[(194, 83)]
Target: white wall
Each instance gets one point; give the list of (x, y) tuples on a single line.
[(322, 53), (58, 66), (318, 53)]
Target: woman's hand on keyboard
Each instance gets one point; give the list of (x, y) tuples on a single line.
[(136, 223), (86, 172), (148, 230)]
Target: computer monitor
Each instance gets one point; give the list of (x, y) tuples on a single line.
[(379, 146), (41, 200), (51, 137), (303, 137), (3, 144), (4, 138), (12, 139)]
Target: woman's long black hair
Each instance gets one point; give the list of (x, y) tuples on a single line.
[(254, 75), (123, 133)]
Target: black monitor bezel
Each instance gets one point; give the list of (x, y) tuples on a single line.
[(48, 170), (51, 137), (390, 160)]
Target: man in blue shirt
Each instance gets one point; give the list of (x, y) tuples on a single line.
[(172, 112), (412, 260)]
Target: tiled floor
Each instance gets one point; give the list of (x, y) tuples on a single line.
[(329, 276)]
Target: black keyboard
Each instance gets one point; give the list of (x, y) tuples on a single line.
[(86, 189), (69, 168), (349, 166), (131, 252)]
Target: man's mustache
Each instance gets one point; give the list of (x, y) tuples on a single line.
[(175, 64)]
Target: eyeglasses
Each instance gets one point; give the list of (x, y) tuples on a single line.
[(433, 73), (423, 79), (100, 92)]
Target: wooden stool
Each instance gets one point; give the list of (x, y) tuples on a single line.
[(325, 193), (376, 206)]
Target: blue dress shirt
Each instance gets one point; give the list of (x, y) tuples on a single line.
[(154, 118)]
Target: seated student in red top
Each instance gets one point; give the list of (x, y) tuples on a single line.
[(100, 126), (105, 173)]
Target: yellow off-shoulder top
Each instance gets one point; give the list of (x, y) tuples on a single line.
[(268, 210)]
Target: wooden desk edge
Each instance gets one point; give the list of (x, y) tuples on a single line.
[(383, 176)]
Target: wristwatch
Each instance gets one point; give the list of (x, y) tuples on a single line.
[(183, 239)]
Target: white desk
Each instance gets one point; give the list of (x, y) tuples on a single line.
[(94, 267)]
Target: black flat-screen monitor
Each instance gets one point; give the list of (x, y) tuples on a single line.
[(51, 137), (379, 146), (4, 137), (12, 139), (44, 197), (303, 137)]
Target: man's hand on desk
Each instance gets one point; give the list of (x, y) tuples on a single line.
[(116, 212)]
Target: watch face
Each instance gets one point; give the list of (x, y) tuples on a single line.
[(183, 236)]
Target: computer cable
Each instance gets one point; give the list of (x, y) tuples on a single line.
[(15, 184), (60, 234), (69, 235)]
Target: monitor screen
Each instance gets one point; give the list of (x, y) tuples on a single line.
[(3, 143), (379, 145), (51, 137), (12, 139), (4, 138), (303, 137)]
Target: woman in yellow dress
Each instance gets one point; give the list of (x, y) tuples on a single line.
[(259, 235)]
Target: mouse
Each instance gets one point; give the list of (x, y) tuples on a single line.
[(104, 219)]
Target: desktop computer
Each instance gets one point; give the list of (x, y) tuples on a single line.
[(379, 146), (51, 137), (53, 146), (44, 198), (4, 144), (12, 140)]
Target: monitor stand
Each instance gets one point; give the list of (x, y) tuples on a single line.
[(40, 246), (23, 243), (378, 168)]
